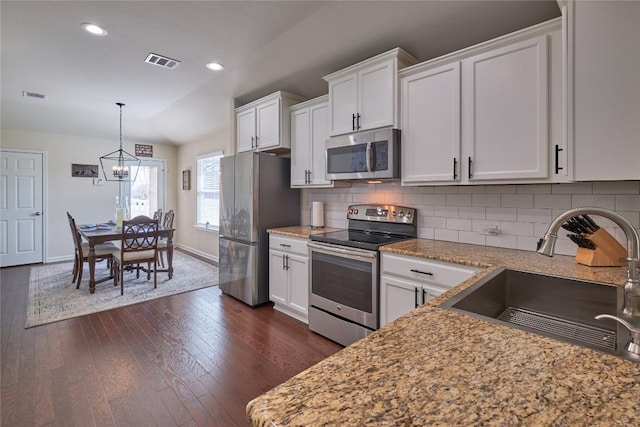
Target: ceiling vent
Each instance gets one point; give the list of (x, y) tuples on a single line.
[(34, 95), (162, 61)]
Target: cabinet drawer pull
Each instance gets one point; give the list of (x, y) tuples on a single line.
[(358, 121), (455, 163), (284, 245), (424, 296), (428, 273), (558, 150), (256, 141), (252, 142), (470, 173), (353, 121), (415, 298)]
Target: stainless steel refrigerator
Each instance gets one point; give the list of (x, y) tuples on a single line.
[(255, 195)]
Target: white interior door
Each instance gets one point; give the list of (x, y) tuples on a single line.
[(147, 193), (21, 208)]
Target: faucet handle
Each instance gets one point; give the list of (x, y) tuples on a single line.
[(634, 345)]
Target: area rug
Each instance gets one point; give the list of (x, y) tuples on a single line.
[(52, 296)]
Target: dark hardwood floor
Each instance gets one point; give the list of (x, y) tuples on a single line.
[(193, 359)]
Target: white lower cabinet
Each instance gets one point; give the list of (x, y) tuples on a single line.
[(289, 276), (408, 282)]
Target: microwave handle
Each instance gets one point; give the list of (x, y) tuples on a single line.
[(368, 155)]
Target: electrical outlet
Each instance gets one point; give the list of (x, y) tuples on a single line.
[(491, 230)]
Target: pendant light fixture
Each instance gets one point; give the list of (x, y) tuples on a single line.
[(119, 165)]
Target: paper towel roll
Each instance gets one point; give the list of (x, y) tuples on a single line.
[(317, 214)]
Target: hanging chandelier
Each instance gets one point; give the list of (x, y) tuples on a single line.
[(119, 165)]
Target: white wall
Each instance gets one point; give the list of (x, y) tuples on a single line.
[(78, 196), (459, 214), (197, 240)]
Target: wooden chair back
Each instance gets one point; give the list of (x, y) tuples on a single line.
[(77, 238), (139, 234), (168, 219), (158, 215)]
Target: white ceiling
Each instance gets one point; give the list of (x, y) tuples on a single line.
[(264, 45)]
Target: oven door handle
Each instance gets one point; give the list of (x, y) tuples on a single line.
[(350, 253)]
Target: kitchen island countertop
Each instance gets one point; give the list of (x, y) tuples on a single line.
[(438, 367)]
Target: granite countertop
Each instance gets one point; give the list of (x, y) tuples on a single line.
[(300, 231), (438, 367)]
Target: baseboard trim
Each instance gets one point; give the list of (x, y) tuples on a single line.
[(200, 254)]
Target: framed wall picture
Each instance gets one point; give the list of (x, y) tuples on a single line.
[(84, 171), (186, 180)]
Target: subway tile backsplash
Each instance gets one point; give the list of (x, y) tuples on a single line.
[(463, 213)]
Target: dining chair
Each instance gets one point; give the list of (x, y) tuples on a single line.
[(158, 215), (163, 242), (104, 251), (138, 244)]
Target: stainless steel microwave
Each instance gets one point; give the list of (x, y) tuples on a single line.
[(364, 155)]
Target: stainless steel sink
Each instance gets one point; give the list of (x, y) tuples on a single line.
[(555, 307)]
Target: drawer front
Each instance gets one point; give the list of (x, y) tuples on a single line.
[(288, 244), (416, 269)]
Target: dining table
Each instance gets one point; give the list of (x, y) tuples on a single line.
[(107, 232)]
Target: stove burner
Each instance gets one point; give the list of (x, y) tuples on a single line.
[(371, 226)]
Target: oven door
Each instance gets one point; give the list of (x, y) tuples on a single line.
[(344, 282)]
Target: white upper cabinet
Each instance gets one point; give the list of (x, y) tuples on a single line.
[(491, 113), (309, 131), (365, 96), (604, 108), (431, 125), (263, 125), (505, 112)]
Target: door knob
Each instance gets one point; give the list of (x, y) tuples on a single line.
[(38, 213)]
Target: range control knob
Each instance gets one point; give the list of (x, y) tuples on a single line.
[(350, 211), (401, 214), (394, 213), (355, 211), (408, 215)]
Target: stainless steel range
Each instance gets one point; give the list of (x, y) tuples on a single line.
[(343, 299)]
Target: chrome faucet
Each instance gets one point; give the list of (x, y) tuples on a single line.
[(631, 304)]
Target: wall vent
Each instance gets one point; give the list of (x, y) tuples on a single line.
[(33, 95), (162, 61)]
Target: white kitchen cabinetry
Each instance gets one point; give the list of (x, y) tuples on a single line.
[(604, 108), (408, 282), (505, 114), (309, 131), (491, 113), (263, 125), (365, 95), (431, 124), (289, 276)]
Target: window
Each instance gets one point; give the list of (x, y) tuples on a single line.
[(208, 189)]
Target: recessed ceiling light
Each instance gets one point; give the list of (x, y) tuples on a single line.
[(94, 29), (215, 66)]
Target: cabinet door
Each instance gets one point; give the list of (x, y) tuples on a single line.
[(376, 102), (278, 278), (430, 292), (300, 146), (397, 297), (246, 130), (343, 95), (319, 116), (431, 125), (268, 124), (506, 112), (298, 283), (606, 98)]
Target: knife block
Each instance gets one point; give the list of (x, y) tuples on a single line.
[(609, 252)]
